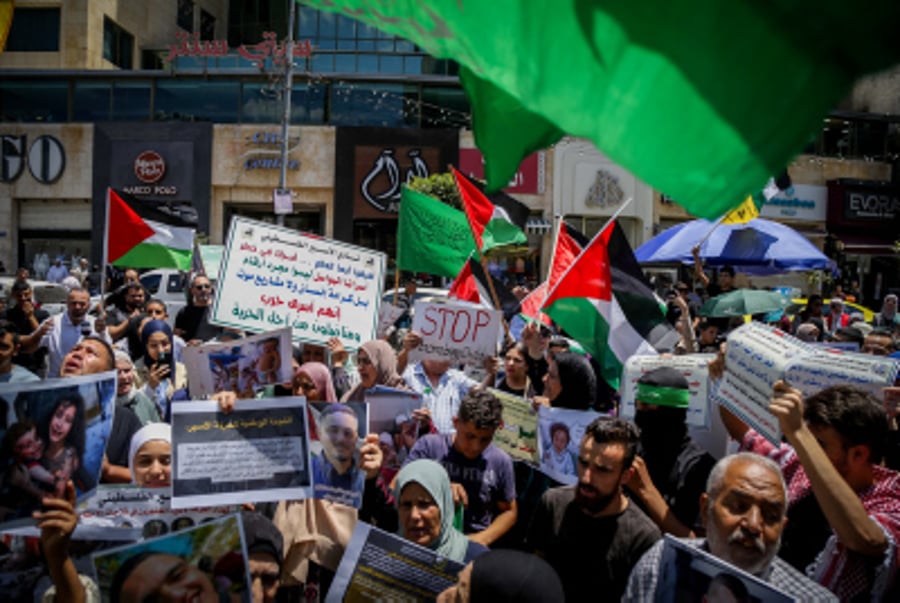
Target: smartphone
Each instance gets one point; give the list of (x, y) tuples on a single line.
[(162, 358)]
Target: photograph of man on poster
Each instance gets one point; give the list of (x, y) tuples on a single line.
[(336, 472)]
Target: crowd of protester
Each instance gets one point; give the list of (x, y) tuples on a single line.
[(818, 517)]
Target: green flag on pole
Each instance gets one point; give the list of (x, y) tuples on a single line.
[(701, 99), (432, 237)]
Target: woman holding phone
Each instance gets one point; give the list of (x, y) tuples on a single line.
[(156, 372)]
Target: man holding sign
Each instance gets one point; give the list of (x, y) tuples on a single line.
[(843, 506)]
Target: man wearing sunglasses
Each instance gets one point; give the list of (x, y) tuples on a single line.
[(192, 322)]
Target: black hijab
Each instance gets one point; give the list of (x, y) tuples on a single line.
[(578, 382), (506, 575)]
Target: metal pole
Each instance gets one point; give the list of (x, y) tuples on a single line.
[(286, 116)]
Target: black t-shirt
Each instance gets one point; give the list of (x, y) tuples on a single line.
[(592, 555), (125, 424), (34, 361), (194, 321), (682, 482), (805, 533)]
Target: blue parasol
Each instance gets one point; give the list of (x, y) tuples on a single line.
[(759, 246)]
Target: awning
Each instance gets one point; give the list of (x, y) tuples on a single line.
[(538, 226)]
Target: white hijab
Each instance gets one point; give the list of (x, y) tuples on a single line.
[(147, 433)]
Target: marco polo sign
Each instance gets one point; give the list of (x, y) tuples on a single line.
[(149, 169)]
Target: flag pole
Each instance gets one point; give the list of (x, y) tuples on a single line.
[(396, 285), (586, 247), (560, 222), (105, 256), (496, 300)]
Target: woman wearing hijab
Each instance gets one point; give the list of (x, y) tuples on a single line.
[(426, 511), (503, 576), (313, 380), (128, 395), (156, 372), (150, 456), (570, 382), (377, 365)]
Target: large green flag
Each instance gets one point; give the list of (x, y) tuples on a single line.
[(702, 99), (432, 237)]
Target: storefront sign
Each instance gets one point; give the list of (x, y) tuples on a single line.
[(149, 167), (373, 163), (12, 156), (192, 46), (46, 158), (798, 202), (529, 178), (265, 152), (865, 205)]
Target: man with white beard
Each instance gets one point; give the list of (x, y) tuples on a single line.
[(744, 513)]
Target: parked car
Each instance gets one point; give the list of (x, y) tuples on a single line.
[(169, 286), (799, 304), (47, 296)]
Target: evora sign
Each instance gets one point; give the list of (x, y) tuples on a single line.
[(46, 158)]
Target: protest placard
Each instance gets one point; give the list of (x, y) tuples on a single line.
[(126, 512), (462, 334), (257, 453), (387, 316), (242, 366), (334, 449), (53, 431), (391, 417), (378, 566), (560, 431), (687, 573), (273, 277), (208, 561), (759, 355), (518, 435), (694, 367)]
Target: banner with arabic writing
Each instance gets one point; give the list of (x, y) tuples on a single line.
[(273, 277), (257, 453)]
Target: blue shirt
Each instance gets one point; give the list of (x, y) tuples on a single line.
[(443, 400), (345, 488)]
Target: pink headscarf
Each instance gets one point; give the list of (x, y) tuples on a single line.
[(321, 376)]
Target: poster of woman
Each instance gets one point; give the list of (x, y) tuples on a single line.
[(52, 432)]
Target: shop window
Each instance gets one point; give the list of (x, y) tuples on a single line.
[(386, 105), (92, 101), (186, 15), (207, 26), (118, 44), (34, 100), (34, 30), (197, 100), (131, 100)]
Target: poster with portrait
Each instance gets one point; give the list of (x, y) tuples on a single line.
[(257, 453), (518, 435), (687, 573), (334, 448), (208, 561), (53, 431), (391, 417), (272, 277), (559, 438), (243, 366), (378, 566), (694, 367)]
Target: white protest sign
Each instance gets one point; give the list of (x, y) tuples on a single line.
[(462, 334), (694, 367), (759, 355), (387, 316), (274, 277)]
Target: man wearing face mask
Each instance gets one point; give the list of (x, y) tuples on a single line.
[(671, 470)]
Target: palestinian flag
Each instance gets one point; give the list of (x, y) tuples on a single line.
[(140, 234), (569, 243), (495, 222), (604, 303), (471, 284)]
